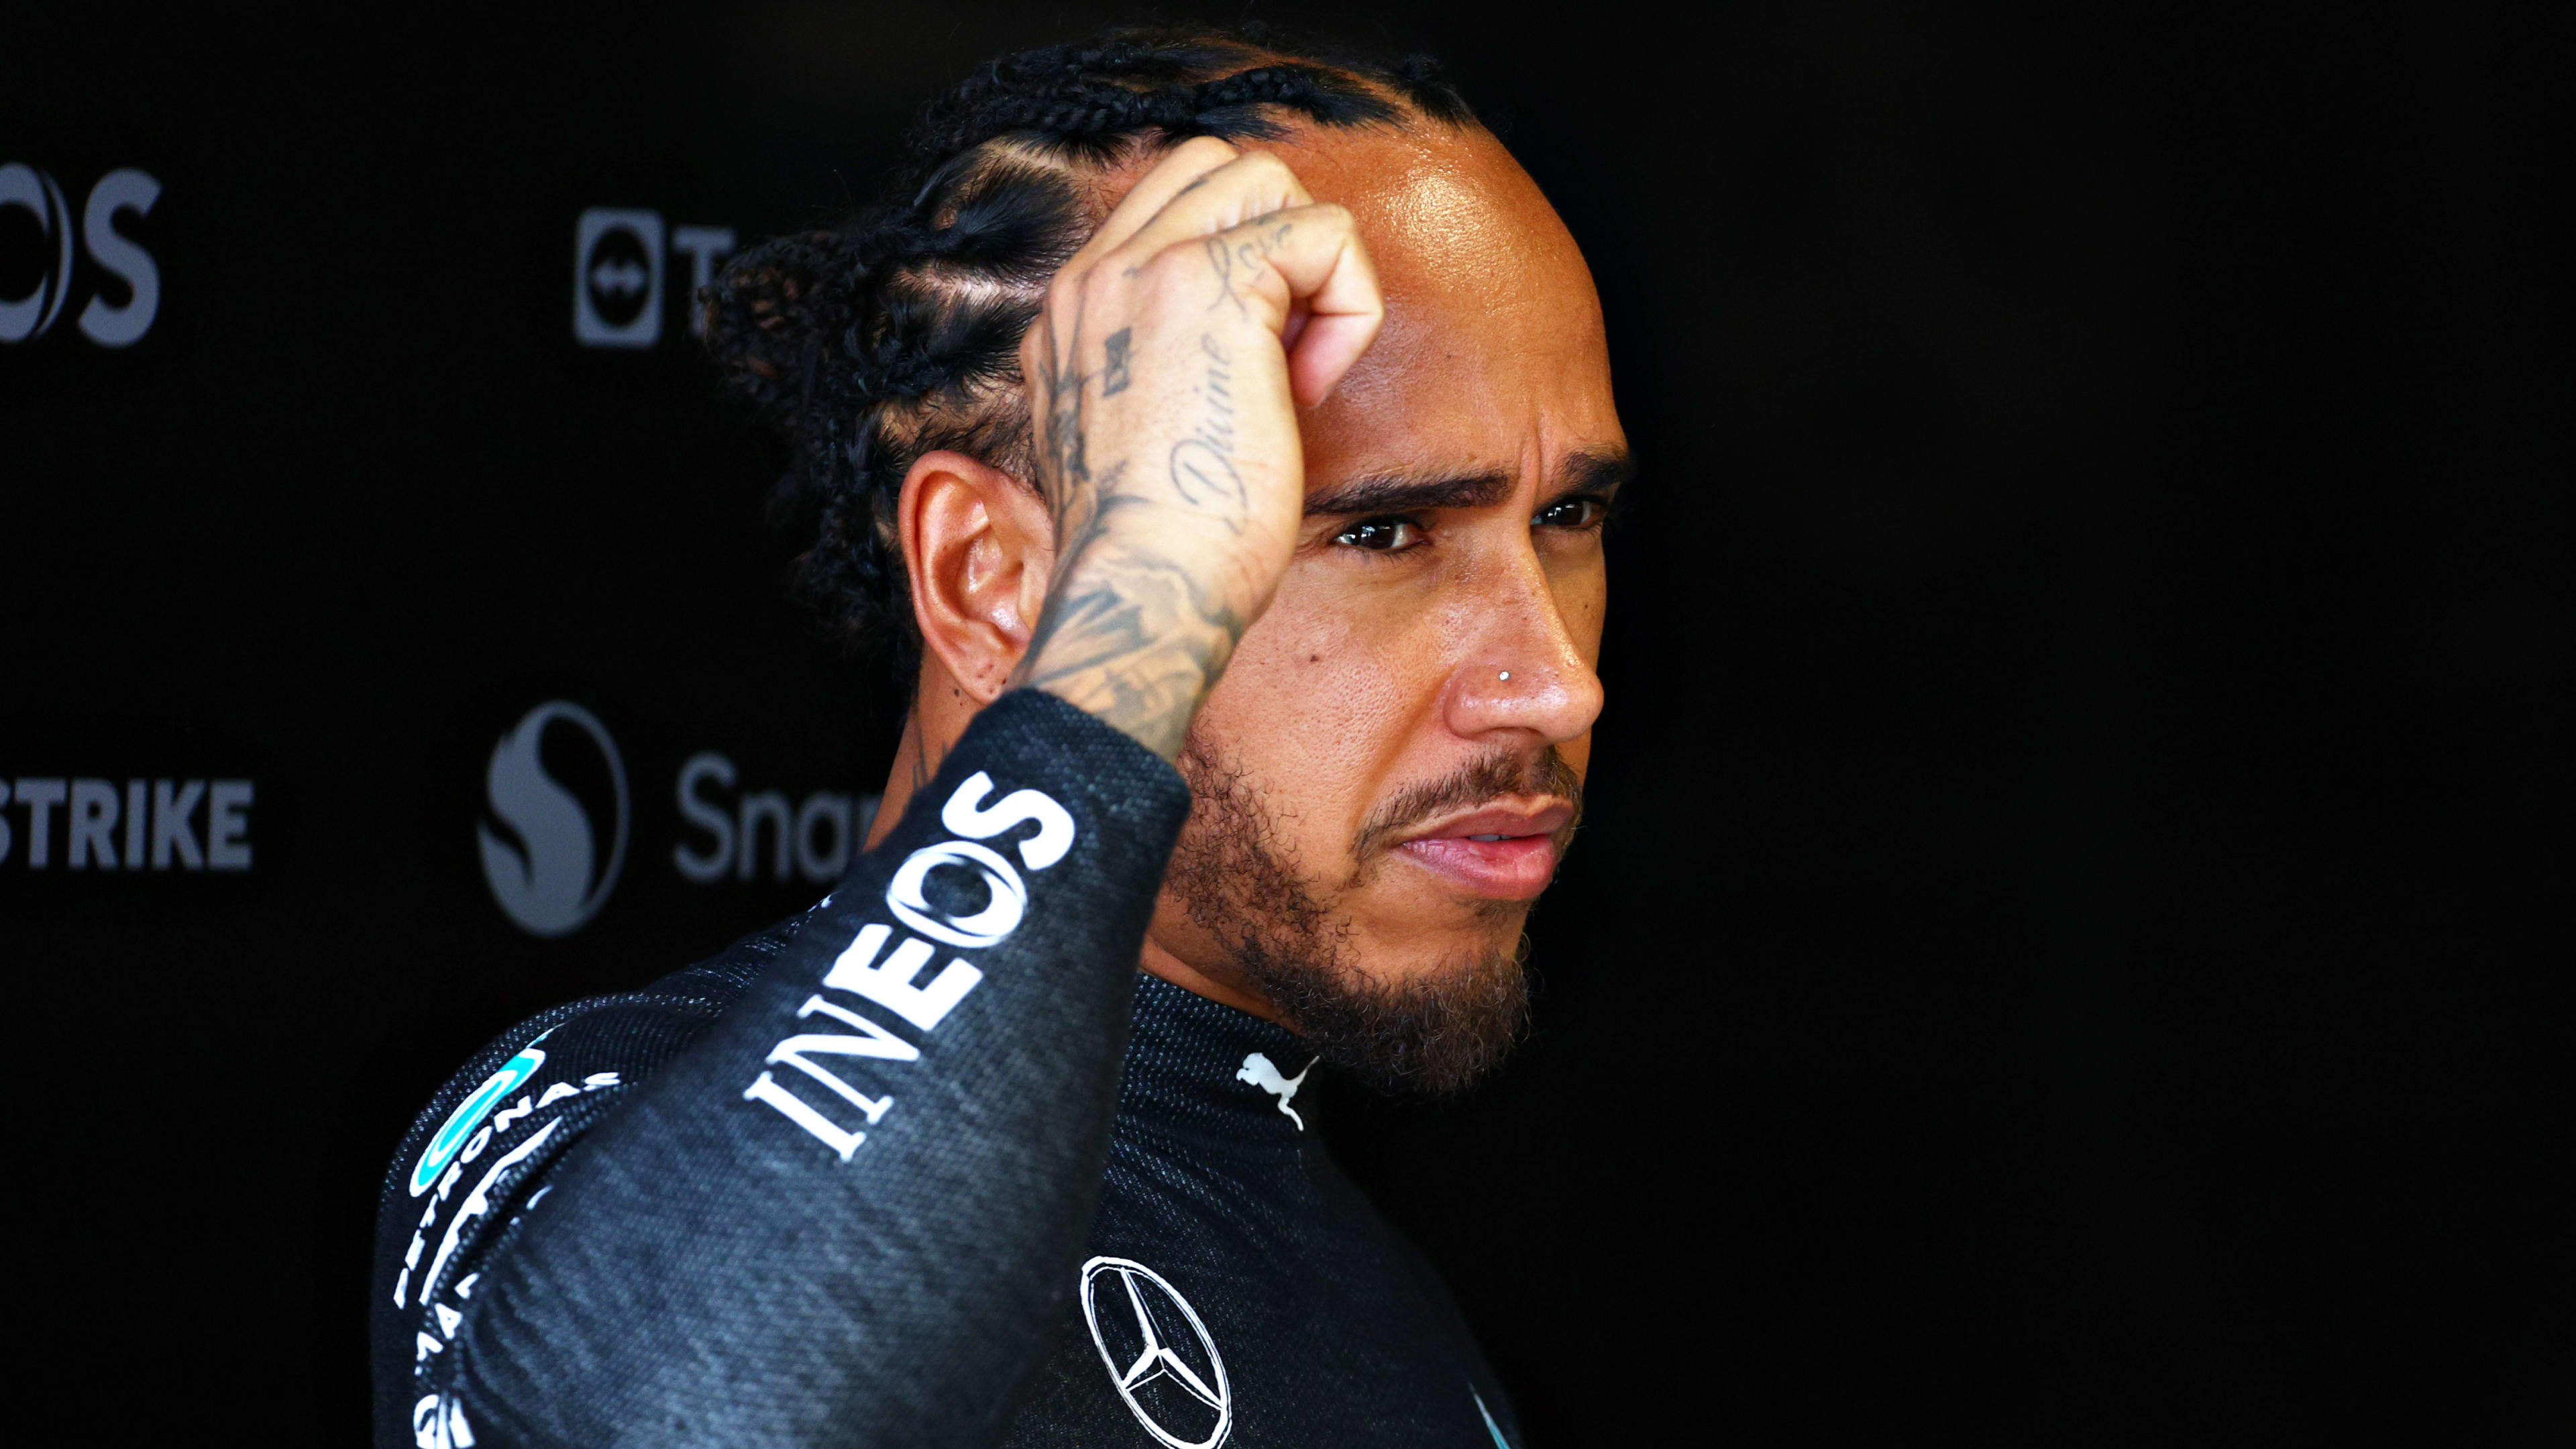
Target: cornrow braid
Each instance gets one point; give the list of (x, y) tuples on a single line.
[(896, 333)]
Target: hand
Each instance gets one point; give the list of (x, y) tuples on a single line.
[(1164, 375)]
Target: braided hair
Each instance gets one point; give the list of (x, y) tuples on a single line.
[(897, 332)]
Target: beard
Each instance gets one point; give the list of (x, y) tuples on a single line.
[(1432, 1033)]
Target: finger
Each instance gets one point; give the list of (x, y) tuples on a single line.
[(1317, 264), (1253, 184), (1185, 167)]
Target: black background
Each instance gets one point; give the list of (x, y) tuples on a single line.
[(2068, 946)]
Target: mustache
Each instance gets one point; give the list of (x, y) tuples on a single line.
[(1488, 777)]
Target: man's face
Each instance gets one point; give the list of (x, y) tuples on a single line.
[(1390, 768)]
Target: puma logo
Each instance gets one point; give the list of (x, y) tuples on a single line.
[(1260, 1072)]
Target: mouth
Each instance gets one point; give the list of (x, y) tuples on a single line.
[(1503, 852)]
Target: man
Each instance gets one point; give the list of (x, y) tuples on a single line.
[(1192, 404)]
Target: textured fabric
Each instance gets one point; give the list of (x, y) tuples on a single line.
[(1332, 1330), (851, 1182)]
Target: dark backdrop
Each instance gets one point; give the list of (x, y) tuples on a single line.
[(2062, 953)]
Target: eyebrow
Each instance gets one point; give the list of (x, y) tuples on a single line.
[(1598, 470), (1404, 493), (1594, 470)]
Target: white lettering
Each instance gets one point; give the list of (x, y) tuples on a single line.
[(878, 1042), (1005, 900), (890, 985), (1055, 824), (478, 1202), (557, 1093), (502, 1119), (794, 1110)]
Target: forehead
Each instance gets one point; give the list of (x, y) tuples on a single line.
[(1492, 357)]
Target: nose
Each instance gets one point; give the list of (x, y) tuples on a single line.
[(1524, 669)]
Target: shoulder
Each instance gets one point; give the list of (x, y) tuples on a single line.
[(571, 1059)]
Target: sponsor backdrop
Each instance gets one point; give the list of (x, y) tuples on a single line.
[(2057, 951)]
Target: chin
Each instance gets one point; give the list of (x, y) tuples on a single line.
[(1425, 921)]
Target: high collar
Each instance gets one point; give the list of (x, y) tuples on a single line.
[(1206, 1068)]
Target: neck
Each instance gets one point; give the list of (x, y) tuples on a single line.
[(917, 758)]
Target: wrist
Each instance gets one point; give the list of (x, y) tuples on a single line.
[(1137, 636)]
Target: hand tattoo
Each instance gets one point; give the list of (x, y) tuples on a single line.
[(1114, 380), (1203, 470)]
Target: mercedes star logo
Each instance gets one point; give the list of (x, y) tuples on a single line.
[(1175, 1387)]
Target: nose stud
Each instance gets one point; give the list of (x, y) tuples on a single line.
[(1506, 674)]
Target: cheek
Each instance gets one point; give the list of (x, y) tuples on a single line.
[(1318, 703)]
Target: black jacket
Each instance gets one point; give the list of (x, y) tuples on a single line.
[(927, 1165)]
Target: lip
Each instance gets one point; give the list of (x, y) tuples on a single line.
[(1515, 867)]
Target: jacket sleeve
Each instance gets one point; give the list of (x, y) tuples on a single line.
[(849, 1206)]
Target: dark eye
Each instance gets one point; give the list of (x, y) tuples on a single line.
[(1381, 535), (1572, 513)]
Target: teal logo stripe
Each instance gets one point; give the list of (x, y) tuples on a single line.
[(469, 1114)]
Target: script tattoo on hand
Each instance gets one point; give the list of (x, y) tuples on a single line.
[(1224, 258), (1131, 634), (1203, 470)]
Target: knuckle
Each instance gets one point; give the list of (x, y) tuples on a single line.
[(1266, 166), (1166, 268)]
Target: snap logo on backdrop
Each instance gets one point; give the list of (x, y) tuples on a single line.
[(815, 838), (619, 263), (546, 838), (24, 318), (550, 882)]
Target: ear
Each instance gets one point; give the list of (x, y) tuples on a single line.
[(980, 547)]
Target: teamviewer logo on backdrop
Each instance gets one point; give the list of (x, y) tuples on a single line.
[(617, 278), (543, 863), (618, 264)]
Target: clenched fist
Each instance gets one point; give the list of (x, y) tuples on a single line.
[(1164, 375)]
